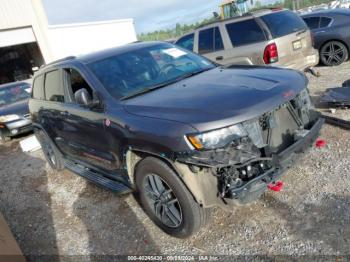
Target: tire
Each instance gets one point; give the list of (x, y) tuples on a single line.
[(52, 155), (4, 138), (188, 218), (334, 53)]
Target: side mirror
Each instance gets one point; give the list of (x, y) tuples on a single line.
[(82, 97)]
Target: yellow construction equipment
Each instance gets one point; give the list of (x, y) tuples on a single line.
[(232, 8)]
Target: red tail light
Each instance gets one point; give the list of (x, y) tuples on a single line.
[(271, 54)]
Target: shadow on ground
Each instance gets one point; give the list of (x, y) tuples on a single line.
[(328, 222), (39, 220)]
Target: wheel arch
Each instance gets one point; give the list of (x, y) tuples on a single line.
[(37, 127), (202, 185)]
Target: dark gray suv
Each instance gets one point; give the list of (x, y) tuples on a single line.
[(183, 133)]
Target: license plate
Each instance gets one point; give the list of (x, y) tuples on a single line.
[(297, 45)]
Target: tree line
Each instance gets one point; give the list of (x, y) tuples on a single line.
[(181, 29)]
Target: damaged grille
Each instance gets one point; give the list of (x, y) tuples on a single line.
[(275, 130)]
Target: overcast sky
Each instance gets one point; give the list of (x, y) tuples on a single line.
[(148, 15)]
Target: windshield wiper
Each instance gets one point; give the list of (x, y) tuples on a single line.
[(150, 89)]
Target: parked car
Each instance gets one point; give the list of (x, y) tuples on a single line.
[(14, 111), (185, 134), (272, 37), (331, 29)]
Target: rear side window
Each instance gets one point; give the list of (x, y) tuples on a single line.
[(186, 42), (325, 21), (312, 22), (210, 40), (53, 87), (38, 87), (283, 23), (245, 32)]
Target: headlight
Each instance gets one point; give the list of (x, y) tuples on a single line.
[(8, 118), (217, 138)]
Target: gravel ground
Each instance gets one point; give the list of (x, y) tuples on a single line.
[(330, 77), (54, 213)]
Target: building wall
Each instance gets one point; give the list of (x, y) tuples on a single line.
[(26, 21), (77, 39), (74, 39), (15, 13)]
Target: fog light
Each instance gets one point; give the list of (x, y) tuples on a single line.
[(14, 131)]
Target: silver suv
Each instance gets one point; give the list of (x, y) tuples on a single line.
[(268, 37)]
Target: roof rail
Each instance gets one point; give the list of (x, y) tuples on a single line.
[(224, 20), (59, 60)]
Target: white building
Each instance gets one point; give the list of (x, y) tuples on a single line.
[(27, 40)]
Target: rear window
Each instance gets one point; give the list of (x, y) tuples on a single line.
[(283, 23), (245, 32), (186, 42), (312, 22), (325, 21), (53, 87), (38, 87)]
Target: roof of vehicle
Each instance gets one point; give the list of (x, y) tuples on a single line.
[(100, 55), (14, 84), (337, 11), (257, 13)]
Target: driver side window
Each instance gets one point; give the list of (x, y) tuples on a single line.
[(76, 82)]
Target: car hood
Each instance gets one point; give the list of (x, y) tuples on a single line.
[(220, 97), (18, 108)]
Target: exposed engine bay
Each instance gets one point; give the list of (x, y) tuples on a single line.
[(244, 160)]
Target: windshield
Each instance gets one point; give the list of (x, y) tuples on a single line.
[(139, 70), (14, 93), (283, 23)]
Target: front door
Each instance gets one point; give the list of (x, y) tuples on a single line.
[(83, 130)]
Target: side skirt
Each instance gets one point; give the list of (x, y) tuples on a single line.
[(115, 185)]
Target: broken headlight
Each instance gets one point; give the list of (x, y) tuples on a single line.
[(217, 138)]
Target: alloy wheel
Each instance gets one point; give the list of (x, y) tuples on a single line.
[(334, 53), (162, 201)]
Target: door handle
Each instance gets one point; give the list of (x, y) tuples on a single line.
[(64, 113), (219, 58)]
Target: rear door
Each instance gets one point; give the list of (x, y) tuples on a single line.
[(247, 41), (211, 45), (291, 35)]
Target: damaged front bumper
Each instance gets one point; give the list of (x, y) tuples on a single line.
[(212, 176), (280, 162)]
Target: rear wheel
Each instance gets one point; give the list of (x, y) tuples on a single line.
[(167, 201), (53, 157), (334, 53)]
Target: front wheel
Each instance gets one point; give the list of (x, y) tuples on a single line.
[(167, 201), (334, 53)]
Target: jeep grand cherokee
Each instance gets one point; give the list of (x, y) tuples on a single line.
[(183, 133)]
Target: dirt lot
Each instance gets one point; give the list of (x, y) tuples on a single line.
[(60, 213)]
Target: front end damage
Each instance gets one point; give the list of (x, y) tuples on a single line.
[(240, 172)]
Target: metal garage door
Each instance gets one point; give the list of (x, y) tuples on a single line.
[(16, 36)]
